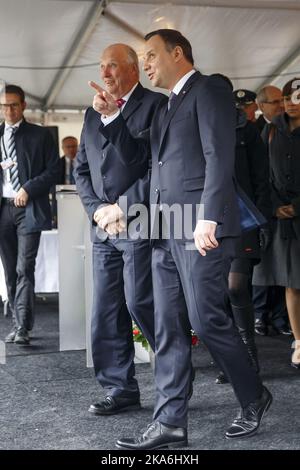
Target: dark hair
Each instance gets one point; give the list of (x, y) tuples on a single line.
[(173, 38), (16, 90), (288, 88)]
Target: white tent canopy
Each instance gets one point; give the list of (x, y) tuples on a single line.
[(51, 47)]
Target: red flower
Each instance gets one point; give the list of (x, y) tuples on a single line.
[(136, 332), (195, 340)]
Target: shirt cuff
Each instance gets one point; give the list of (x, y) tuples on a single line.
[(210, 221), (108, 119)]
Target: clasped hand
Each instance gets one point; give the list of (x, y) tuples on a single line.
[(285, 212), (110, 218)]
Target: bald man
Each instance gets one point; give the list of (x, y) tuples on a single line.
[(270, 102), (122, 266), (269, 302)]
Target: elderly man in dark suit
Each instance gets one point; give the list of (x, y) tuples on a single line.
[(192, 143), (122, 266), (29, 166)]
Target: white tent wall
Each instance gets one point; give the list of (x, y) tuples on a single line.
[(51, 47)]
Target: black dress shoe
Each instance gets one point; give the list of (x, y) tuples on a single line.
[(113, 405), (283, 330), (157, 436), (248, 420), (22, 336), (261, 328), (221, 379), (10, 338)]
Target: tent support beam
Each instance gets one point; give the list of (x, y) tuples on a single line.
[(79, 43), (270, 5), (125, 26), (285, 64)]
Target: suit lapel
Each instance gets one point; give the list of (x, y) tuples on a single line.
[(24, 162), (1, 134), (134, 102), (180, 97)]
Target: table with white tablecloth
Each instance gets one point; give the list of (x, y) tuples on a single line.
[(46, 271)]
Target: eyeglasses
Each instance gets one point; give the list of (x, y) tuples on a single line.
[(10, 105), (274, 102)]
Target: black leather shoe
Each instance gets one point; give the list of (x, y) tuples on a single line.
[(10, 338), (221, 379), (22, 336), (261, 328), (283, 330), (248, 420), (157, 436), (113, 405)]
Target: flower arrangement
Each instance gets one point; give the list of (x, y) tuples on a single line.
[(140, 338)]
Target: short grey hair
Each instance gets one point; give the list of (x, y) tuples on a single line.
[(261, 96), (132, 56)]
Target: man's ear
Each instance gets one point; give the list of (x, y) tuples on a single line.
[(177, 53), (24, 105)]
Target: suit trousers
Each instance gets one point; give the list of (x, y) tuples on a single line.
[(18, 251), (193, 290), (122, 292), (270, 306)]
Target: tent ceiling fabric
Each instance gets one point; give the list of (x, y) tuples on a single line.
[(248, 41)]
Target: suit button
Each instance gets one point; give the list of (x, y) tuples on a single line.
[(288, 156), (104, 177), (156, 190), (103, 154), (160, 163)]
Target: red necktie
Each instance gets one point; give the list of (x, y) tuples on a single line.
[(120, 102)]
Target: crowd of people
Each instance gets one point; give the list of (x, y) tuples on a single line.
[(201, 148)]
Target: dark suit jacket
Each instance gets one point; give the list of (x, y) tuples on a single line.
[(193, 151), (260, 123), (38, 171), (100, 175)]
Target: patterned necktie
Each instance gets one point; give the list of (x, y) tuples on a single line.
[(120, 102), (12, 154), (171, 100)]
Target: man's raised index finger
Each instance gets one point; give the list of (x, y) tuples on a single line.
[(96, 86)]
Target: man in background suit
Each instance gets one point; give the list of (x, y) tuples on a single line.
[(67, 162), (192, 143), (121, 267), (29, 166), (269, 301)]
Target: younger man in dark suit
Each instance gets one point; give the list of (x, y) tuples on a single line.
[(29, 166), (192, 143)]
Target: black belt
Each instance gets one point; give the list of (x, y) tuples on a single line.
[(8, 200)]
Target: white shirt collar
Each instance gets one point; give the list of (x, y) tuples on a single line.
[(17, 124), (179, 85)]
